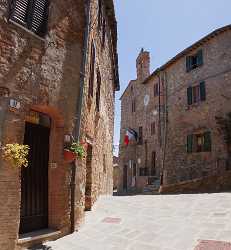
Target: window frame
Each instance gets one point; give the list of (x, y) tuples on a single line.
[(30, 13), (193, 145), (194, 61)]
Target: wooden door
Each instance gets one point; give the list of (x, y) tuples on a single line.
[(125, 177), (34, 180)]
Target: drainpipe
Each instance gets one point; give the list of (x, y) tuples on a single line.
[(79, 112), (165, 128)]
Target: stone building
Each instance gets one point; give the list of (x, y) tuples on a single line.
[(139, 160), (58, 77), (194, 95)]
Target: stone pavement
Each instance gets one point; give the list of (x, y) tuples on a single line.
[(162, 222)]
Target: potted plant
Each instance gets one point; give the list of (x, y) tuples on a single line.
[(16, 154), (75, 150)]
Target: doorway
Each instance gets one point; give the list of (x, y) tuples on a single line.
[(34, 178), (88, 188), (125, 177)]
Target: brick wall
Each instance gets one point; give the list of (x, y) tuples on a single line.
[(184, 120), (43, 75), (213, 183)]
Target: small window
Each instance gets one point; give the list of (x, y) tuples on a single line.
[(153, 169), (194, 61), (92, 72), (196, 93), (143, 171), (104, 164), (156, 89), (99, 14), (140, 138), (103, 32), (133, 106), (200, 142), (33, 15), (98, 91), (153, 128), (134, 169)]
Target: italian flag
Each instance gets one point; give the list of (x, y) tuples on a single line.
[(130, 135)]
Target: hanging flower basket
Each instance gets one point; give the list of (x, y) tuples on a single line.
[(69, 156), (16, 154), (76, 150)]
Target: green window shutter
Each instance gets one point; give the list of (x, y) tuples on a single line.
[(200, 57), (189, 143), (188, 63), (189, 95), (202, 91), (207, 142)]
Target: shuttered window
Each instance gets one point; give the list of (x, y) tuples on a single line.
[(207, 141), (199, 142), (196, 93), (190, 143), (32, 14), (202, 91), (194, 61)]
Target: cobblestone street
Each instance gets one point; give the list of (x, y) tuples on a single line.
[(170, 222)]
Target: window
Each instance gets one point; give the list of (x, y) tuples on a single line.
[(143, 171), (153, 169), (200, 142), (98, 91), (194, 61), (103, 32), (196, 94), (140, 138), (31, 14), (134, 170), (133, 106), (156, 89), (99, 14), (92, 72), (153, 128), (104, 164)]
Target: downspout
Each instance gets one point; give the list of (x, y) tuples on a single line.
[(79, 112), (165, 128)]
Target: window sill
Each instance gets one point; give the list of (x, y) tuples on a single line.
[(194, 105), (26, 30), (194, 69)]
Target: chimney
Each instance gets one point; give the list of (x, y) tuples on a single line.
[(143, 65)]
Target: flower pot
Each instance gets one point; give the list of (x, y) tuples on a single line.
[(69, 156)]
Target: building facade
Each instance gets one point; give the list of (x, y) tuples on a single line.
[(58, 77), (192, 117)]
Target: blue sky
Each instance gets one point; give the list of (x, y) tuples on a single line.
[(163, 27)]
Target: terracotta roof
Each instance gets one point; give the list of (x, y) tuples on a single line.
[(188, 50)]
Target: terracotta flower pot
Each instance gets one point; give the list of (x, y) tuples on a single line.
[(69, 156)]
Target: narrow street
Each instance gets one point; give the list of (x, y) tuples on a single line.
[(170, 222)]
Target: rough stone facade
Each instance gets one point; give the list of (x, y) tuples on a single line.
[(43, 75), (137, 156), (182, 113)]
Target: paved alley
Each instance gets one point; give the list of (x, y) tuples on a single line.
[(170, 222)]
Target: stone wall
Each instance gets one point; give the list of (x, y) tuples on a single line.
[(184, 120), (145, 114), (209, 184), (174, 118), (43, 74), (98, 126)]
